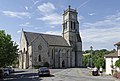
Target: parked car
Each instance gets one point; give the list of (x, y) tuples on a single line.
[(6, 72), (11, 70), (43, 71), (1, 74)]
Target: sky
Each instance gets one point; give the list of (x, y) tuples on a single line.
[(99, 19)]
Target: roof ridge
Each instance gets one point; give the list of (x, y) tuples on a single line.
[(42, 33), (118, 43)]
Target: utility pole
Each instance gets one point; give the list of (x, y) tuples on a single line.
[(91, 55)]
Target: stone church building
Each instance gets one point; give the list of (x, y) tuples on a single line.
[(37, 49)]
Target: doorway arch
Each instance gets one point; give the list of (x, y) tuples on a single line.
[(63, 63)]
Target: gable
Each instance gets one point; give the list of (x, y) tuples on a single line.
[(23, 42)]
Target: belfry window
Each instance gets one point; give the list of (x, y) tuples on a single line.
[(63, 25), (24, 50), (71, 24), (66, 25), (74, 26)]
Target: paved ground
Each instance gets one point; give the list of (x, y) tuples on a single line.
[(77, 74), (71, 74)]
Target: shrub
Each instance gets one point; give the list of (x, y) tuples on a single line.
[(117, 63)]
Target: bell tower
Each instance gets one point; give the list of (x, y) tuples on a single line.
[(70, 32)]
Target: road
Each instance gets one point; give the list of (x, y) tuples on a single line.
[(71, 74)]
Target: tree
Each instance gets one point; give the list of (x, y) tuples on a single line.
[(97, 57), (117, 63), (8, 50), (99, 62), (86, 61)]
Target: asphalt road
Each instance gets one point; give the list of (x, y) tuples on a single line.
[(28, 75), (71, 74)]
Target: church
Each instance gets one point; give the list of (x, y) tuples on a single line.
[(37, 49)]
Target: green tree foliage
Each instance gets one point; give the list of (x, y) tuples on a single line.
[(100, 62), (97, 57), (86, 60), (117, 63), (8, 49)]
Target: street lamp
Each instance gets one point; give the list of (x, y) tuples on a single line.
[(91, 55)]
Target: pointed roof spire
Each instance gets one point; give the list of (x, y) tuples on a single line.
[(22, 30)]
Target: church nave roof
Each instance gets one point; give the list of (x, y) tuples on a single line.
[(50, 39)]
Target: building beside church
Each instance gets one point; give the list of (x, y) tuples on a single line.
[(37, 49), (110, 60)]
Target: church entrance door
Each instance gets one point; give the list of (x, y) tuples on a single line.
[(63, 63)]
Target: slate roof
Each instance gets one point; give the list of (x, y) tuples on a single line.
[(50, 39), (112, 55), (118, 43)]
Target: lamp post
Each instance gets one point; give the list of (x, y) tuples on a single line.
[(91, 48)]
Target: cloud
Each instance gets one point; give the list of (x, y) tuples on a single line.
[(52, 26), (19, 31), (91, 14), (35, 2), (16, 14), (26, 7), (36, 28), (52, 19), (53, 32), (115, 17), (80, 18), (49, 15), (46, 7), (102, 34), (27, 24)]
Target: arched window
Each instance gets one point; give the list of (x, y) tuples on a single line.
[(71, 25), (66, 25), (74, 26), (24, 50), (39, 59)]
